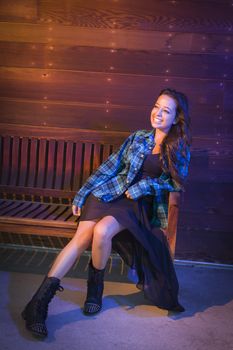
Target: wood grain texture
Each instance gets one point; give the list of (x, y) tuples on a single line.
[(62, 92), (121, 39), (192, 16), (75, 86), (23, 10), (146, 62), (205, 120)]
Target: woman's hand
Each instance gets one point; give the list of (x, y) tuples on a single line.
[(128, 195), (76, 210)]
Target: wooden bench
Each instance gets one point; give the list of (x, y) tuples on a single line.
[(41, 170)]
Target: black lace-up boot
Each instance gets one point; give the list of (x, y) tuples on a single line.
[(36, 311), (95, 287)]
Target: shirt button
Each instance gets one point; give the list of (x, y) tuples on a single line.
[(142, 155), (118, 192), (150, 147), (127, 181)]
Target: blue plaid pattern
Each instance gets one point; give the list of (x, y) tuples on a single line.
[(115, 175)]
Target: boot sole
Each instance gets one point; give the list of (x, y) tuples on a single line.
[(91, 313), (38, 335)]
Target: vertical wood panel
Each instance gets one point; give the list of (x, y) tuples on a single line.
[(87, 161), (15, 161), (59, 165), (77, 172), (42, 165), (96, 156), (68, 166), (106, 151), (51, 164), (1, 156), (23, 161), (33, 163), (6, 160)]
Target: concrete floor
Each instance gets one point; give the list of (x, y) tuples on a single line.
[(127, 320)]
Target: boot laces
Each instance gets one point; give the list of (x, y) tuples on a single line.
[(41, 305)]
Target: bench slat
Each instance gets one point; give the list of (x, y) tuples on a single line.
[(66, 215), (4, 204), (50, 211), (15, 208), (71, 217), (26, 210), (77, 170), (59, 164), (86, 162), (68, 166), (54, 228), (23, 161), (61, 213), (36, 210), (32, 163), (41, 163), (14, 172), (8, 207), (18, 212), (51, 162), (1, 154), (6, 160), (106, 151), (37, 191), (97, 156)]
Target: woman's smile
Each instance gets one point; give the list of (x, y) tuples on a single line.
[(163, 113)]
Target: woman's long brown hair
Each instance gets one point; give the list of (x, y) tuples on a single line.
[(175, 146)]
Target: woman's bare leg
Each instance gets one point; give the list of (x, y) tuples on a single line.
[(70, 253), (103, 233)]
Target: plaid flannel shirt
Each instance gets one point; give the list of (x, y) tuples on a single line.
[(115, 175)]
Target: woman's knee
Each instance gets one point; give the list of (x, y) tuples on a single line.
[(84, 232), (106, 229), (101, 233)]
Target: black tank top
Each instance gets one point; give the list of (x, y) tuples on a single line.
[(151, 167)]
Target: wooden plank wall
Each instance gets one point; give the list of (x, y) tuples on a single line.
[(99, 64)]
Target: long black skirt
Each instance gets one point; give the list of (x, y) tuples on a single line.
[(141, 246)]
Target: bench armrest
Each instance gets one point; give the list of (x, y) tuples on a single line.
[(173, 214)]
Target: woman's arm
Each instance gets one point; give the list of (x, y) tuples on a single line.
[(151, 186), (109, 168)]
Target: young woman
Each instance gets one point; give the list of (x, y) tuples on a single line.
[(123, 205)]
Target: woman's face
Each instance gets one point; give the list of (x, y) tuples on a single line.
[(163, 113)]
